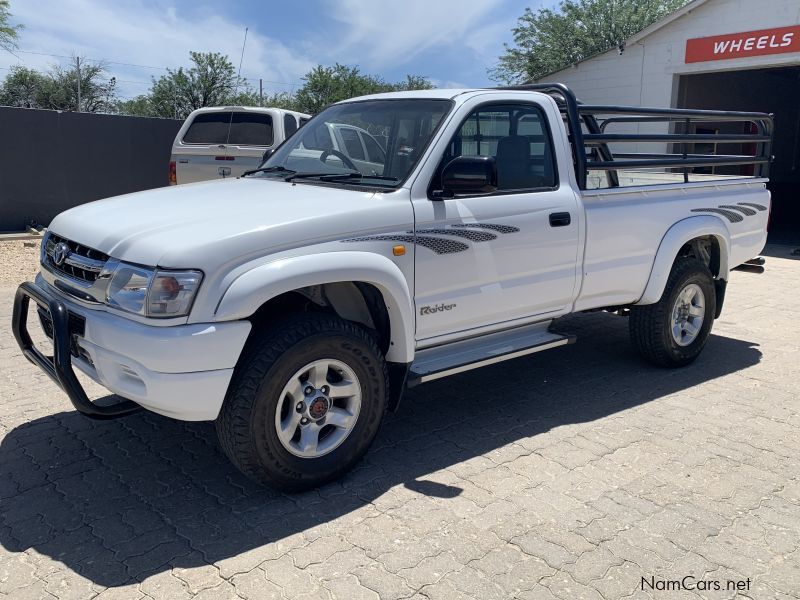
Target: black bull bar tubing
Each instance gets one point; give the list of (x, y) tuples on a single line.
[(58, 366)]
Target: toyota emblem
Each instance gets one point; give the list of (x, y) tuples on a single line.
[(60, 253)]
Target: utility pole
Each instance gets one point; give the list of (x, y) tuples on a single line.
[(78, 68), (260, 92)]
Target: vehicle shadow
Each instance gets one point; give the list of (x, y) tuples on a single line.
[(790, 251), (118, 501)]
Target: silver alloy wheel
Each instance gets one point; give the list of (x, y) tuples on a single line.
[(688, 314), (318, 408)]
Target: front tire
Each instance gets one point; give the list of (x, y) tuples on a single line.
[(673, 331), (305, 403)]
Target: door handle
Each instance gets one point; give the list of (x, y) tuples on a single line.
[(560, 219)]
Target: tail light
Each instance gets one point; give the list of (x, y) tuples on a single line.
[(173, 174)]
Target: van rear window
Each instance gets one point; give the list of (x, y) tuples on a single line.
[(246, 129)]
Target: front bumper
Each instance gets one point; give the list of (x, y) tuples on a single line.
[(180, 371)]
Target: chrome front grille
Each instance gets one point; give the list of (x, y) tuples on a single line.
[(69, 258)]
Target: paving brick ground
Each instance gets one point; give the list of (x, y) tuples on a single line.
[(572, 474)]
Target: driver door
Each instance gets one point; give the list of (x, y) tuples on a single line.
[(487, 261)]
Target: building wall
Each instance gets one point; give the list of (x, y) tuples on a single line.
[(645, 74), (51, 161)]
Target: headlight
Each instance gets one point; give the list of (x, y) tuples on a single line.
[(152, 292)]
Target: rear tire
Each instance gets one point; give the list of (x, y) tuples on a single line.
[(298, 378), (673, 331)]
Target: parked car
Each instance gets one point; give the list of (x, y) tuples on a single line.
[(224, 141), (356, 144), (295, 304)]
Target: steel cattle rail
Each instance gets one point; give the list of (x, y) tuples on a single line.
[(587, 123)]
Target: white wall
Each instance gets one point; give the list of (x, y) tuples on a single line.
[(647, 72), (644, 74)]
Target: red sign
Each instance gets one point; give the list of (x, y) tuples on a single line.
[(748, 43)]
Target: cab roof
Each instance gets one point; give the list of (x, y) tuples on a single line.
[(435, 94)]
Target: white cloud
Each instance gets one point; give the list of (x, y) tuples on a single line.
[(390, 34), (452, 40), (447, 84), (143, 33)]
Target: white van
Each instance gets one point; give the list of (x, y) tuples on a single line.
[(224, 141)]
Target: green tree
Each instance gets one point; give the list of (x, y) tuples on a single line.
[(25, 88), (97, 94), (58, 89), (210, 81), (8, 32), (325, 85), (549, 40), (285, 100), (140, 106)]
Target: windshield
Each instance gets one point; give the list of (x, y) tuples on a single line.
[(372, 142)]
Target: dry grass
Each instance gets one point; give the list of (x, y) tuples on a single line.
[(19, 261)]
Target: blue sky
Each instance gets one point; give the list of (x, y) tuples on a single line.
[(450, 41)]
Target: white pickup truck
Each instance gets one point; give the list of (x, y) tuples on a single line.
[(294, 304)]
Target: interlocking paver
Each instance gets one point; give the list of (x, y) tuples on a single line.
[(602, 471), (564, 586), (254, 585), (198, 578), (387, 585), (348, 587), (339, 564), (429, 570), (283, 573), (164, 586)]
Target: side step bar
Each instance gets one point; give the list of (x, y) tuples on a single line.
[(465, 355), (754, 265)]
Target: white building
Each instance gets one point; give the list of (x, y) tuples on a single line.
[(713, 54)]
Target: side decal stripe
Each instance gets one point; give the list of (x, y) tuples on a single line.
[(752, 205), (438, 245), (475, 236), (491, 226), (748, 211), (430, 238), (441, 245), (729, 214)]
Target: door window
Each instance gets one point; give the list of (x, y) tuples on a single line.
[(374, 150), (289, 124), (516, 136), (318, 139), (352, 143)]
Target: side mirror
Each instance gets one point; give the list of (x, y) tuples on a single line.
[(267, 153), (469, 176)]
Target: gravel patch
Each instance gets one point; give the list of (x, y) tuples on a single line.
[(19, 261)]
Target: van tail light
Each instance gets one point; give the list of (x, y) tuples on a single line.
[(173, 174)]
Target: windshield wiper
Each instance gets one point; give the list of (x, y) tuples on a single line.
[(273, 169), (338, 176), (309, 174), (357, 175)]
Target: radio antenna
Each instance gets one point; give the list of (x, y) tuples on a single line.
[(236, 91), (241, 58)]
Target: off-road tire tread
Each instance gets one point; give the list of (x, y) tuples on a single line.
[(647, 321), (234, 420)]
